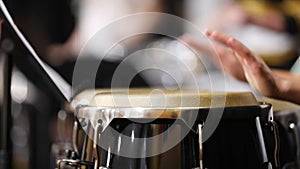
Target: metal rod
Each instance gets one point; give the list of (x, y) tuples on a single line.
[(200, 146), (95, 146), (85, 142), (261, 140), (5, 116), (75, 137)]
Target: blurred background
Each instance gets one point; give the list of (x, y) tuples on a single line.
[(57, 29)]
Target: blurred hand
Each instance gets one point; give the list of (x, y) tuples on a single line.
[(253, 68), (238, 61)]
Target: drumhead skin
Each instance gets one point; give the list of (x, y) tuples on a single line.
[(162, 98), (158, 103), (149, 104)]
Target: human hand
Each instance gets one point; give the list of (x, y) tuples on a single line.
[(219, 54), (238, 61)]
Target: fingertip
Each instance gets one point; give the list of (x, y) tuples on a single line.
[(214, 34), (207, 32)]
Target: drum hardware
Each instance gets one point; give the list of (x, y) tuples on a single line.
[(272, 127), (75, 136), (266, 162), (74, 163), (96, 153), (85, 142), (87, 148), (72, 157), (200, 146), (78, 158), (96, 140)]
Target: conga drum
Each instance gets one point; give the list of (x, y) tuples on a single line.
[(286, 115), (171, 129)]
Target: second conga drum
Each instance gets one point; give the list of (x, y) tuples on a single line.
[(286, 114), (170, 129)]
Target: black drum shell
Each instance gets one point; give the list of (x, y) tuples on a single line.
[(234, 143)]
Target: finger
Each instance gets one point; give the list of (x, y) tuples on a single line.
[(257, 73), (217, 36), (227, 40), (226, 60), (261, 78), (207, 32), (243, 53), (240, 55)]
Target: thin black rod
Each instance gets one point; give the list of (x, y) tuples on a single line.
[(5, 116)]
